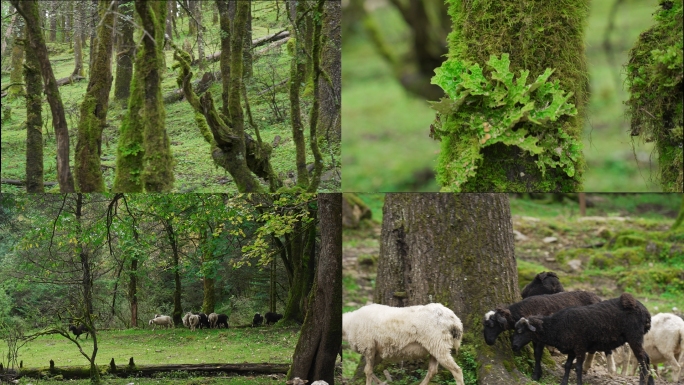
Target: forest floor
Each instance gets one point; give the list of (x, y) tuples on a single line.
[(194, 169), (644, 258)]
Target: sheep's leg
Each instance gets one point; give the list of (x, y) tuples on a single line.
[(432, 369), (447, 361), (369, 370), (587, 363), (610, 360), (568, 366), (644, 362), (538, 351), (676, 368), (578, 367), (626, 360)]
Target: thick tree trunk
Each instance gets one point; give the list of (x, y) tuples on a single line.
[(297, 69), (29, 11), (247, 49), (330, 84), (315, 107), (34, 124), (208, 272), (93, 117), (177, 307), (124, 58), (16, 73), (454, 249), (225, 23), (321, 333)]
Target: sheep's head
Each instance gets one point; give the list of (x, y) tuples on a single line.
[(150, 322), (524, 332), (495, 323)]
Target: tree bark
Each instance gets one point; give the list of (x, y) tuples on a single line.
[(124, 58), (17, 60), (248, 58), (297, 73), (53, 20), (29, 11), (34, 124), (208, 271), (79, 15), (321, 333), (330, 84), (8, 32), (177, 307), (225, 23), (454, 249), (93, 117)]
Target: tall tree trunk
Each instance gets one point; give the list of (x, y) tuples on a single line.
[(93, 117), (200, 35), (297, 69), (321, 333), (315, 107), (29, 11), (177, 307), (225, 25), (69, 30), (479, 33), (133, 290), (34, 124), (300, 256), (79, 16), (208, 271), (124, 58), (17, 60), (92, 27), (169, 22), (247, 49), (8, 33), (52, 12), (192, 26), (330, 84), (454, 249), (144, 160)]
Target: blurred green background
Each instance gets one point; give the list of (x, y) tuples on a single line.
[(386, 146)]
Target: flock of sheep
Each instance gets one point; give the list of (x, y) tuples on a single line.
[(576, 323), (211, 321)]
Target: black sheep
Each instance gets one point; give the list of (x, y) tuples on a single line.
[(222, 320), (504, 318), (257, 320), (272, 318), (78, 330), (602, 326), (204, 321), (543, 283)]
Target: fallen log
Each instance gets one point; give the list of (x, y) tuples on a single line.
[(271, 46), (81, 372), (282, 35), (68, 80), (200, 86), (16, 182)]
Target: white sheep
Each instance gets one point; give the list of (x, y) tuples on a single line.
[(161, 320), (299, 381), (664, 343), (193, 321), (213, 318), (383, 332)]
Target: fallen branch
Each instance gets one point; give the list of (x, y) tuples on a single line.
[(273, 87), (200, 86), (68, 80), (16, 182), (282, 36)]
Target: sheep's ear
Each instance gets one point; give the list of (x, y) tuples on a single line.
[(501, 320), (532, 328)]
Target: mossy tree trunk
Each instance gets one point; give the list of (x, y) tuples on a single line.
[(454, 249), (225, 24), (247, 70), (29, 11), (17, 60), (144, 160), (200, 35), (126, 53), (329, 124), (79, 15), (173, 241), (299, 264), (93, 117), (321, 333), (552, 39), (34, 124), (316, 37), (656, 102), (208, 270), (297, 76)]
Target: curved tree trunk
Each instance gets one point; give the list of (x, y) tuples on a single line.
[(93, 117), (124, 58), (321, 334), (34, 124), (454, 249), (29, 11)]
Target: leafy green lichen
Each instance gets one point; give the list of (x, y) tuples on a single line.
[(482, 109)]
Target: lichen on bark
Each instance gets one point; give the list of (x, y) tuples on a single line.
[(654, 79), (551, 39), (34, 124)]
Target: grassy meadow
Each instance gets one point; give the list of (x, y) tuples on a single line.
[(386, 143), (194, 169)]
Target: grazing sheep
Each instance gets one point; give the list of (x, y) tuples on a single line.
[(578, 330), (272, 318), (222, 320), (502, 319), (383, 332), (213, 317), (161, 320), (299, 381), (543, 283), (186, 319), (78, 330), (664, 343), (257, 320), (204, 321), (194, 321)]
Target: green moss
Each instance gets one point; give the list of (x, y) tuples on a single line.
[(629, 240), (654, 78), (532, 148)]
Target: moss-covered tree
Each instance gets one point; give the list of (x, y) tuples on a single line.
[(16, 89), (79, 16), (126, 52), (499, 131), (297, 47), (329, 124), (93, 117), (29, 11), (321, 333), (34, 124), (454, 249), (654, 78), (144, 160)]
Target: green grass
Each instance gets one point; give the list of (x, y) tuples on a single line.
[(236, 380), (386, 143), (170, 346), (194, 169)]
